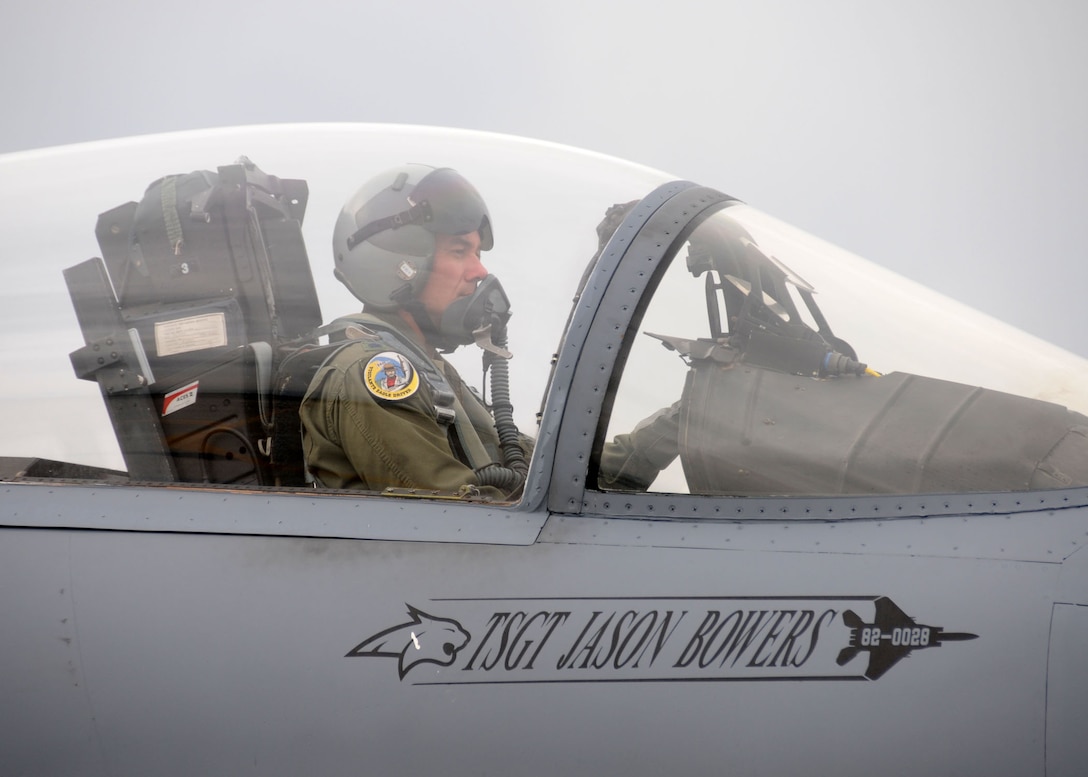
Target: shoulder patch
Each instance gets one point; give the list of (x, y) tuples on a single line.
[(390, 375)]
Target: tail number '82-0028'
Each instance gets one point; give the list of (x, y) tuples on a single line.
[(906, 637)]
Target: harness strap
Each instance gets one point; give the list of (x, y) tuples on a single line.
[(168, 194), (467, 438)]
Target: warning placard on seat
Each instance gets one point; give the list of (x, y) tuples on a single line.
[(194, 333)]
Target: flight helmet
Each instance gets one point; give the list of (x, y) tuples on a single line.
[(384, 240)]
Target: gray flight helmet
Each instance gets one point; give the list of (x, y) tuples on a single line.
[(384, 240)]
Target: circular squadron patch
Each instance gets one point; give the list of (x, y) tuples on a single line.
[(390, 376)]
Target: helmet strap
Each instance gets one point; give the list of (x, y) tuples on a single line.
[(417, 214)]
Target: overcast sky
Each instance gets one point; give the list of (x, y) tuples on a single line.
[(945, 140)]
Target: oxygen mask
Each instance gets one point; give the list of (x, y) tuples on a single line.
[(479, 318)]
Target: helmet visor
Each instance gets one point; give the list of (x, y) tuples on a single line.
[(456, 208)]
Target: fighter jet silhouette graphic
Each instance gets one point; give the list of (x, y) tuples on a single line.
[(423, 640), (892, 636)]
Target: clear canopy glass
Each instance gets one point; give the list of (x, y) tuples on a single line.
[(546, 202)]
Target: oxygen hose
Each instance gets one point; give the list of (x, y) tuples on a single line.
[(510, 477)]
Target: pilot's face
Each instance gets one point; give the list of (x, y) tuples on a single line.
[(456, 271)]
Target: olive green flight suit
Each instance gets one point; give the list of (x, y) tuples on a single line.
[(352, 438), (631, 462)]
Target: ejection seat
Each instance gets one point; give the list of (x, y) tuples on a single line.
[(204, 287)]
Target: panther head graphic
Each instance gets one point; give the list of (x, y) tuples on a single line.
[(423, 640)]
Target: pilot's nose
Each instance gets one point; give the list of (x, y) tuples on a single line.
[(476, 270)]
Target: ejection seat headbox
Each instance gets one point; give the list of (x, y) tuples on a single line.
[(196, 242)]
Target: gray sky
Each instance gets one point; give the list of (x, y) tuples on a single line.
[(945, 140)]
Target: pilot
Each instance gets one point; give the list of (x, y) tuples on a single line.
[(385, 410)]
